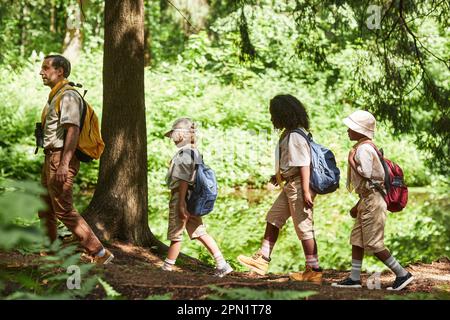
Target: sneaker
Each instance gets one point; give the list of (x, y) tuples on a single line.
[(257, 263), (107, 257), (310, 274), (347, 283), (166, 268), (401, 282), (223, 271)]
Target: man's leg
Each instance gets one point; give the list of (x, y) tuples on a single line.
[(47, 215), (62, 201)]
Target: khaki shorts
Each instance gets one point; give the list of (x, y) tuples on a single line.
[(290, 204), (194, 225), (368, 231)]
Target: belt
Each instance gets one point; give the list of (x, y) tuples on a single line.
[(52, 150), (290, 178)]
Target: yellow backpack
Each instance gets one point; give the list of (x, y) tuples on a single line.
[(90, 143)]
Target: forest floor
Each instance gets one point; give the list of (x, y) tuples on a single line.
[(135, 273)]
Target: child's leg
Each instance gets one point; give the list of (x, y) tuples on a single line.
[(269, 240), (172, 255), (310, 250), (357, 258), (213, 248), (386, 257)]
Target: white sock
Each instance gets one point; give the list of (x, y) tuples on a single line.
[(355, 274), (101, 253), (168, 264), (312, 261), (395, 267), (266, 248), (220, 260)]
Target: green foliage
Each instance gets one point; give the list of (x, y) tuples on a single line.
[(202, 76), (47, 276), (167, 296), (19, 203), (111, 293), (50, 279), (252, 294), (442, 293)]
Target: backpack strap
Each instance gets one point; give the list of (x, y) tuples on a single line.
[(308, 138), (67, 87), (380, 154)]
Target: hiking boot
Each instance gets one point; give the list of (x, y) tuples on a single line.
[(347, 283), (107, 257), (223, 271), (310, 274), (257, 263), (401, 282)]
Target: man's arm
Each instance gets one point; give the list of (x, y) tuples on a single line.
[(70, 145)]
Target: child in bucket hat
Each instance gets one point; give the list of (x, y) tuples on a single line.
[(365, 169), (180, 176)]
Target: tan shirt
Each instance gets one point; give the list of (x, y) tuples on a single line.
[(71, 108), (182, 167), (295, 153), (369, 166)]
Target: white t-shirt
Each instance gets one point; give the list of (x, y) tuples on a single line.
[(295, 152)]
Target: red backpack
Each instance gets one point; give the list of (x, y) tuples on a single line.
[(396, 195)]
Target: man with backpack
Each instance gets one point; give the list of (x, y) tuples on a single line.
[(367, 176), (62, 118)]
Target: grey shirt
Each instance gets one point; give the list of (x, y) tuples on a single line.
[(182, 167), (71, 108)]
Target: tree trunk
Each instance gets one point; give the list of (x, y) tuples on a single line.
[(119, 207), (52, 17), (73, 41)]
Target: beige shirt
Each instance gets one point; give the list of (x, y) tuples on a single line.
[(182, 167), (294, 153), (369, 166), (70, 112)]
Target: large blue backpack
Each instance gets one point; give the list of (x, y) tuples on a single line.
[(325, 174), (202, 196)]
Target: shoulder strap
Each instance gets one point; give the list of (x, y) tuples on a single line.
[(385, 168), (58, 103), (379, 152), (308, 137)]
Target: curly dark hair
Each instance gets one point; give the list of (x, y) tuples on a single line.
[(288, 112)]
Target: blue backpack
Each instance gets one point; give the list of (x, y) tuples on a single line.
[(202, 196), (325, 174)]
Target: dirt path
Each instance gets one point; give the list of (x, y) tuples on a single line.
[(135, 274)]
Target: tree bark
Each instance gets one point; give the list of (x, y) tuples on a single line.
[(119, 207), (73, 40)]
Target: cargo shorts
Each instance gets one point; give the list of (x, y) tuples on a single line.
[(368, 230), (290, 204), (193, 225)]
